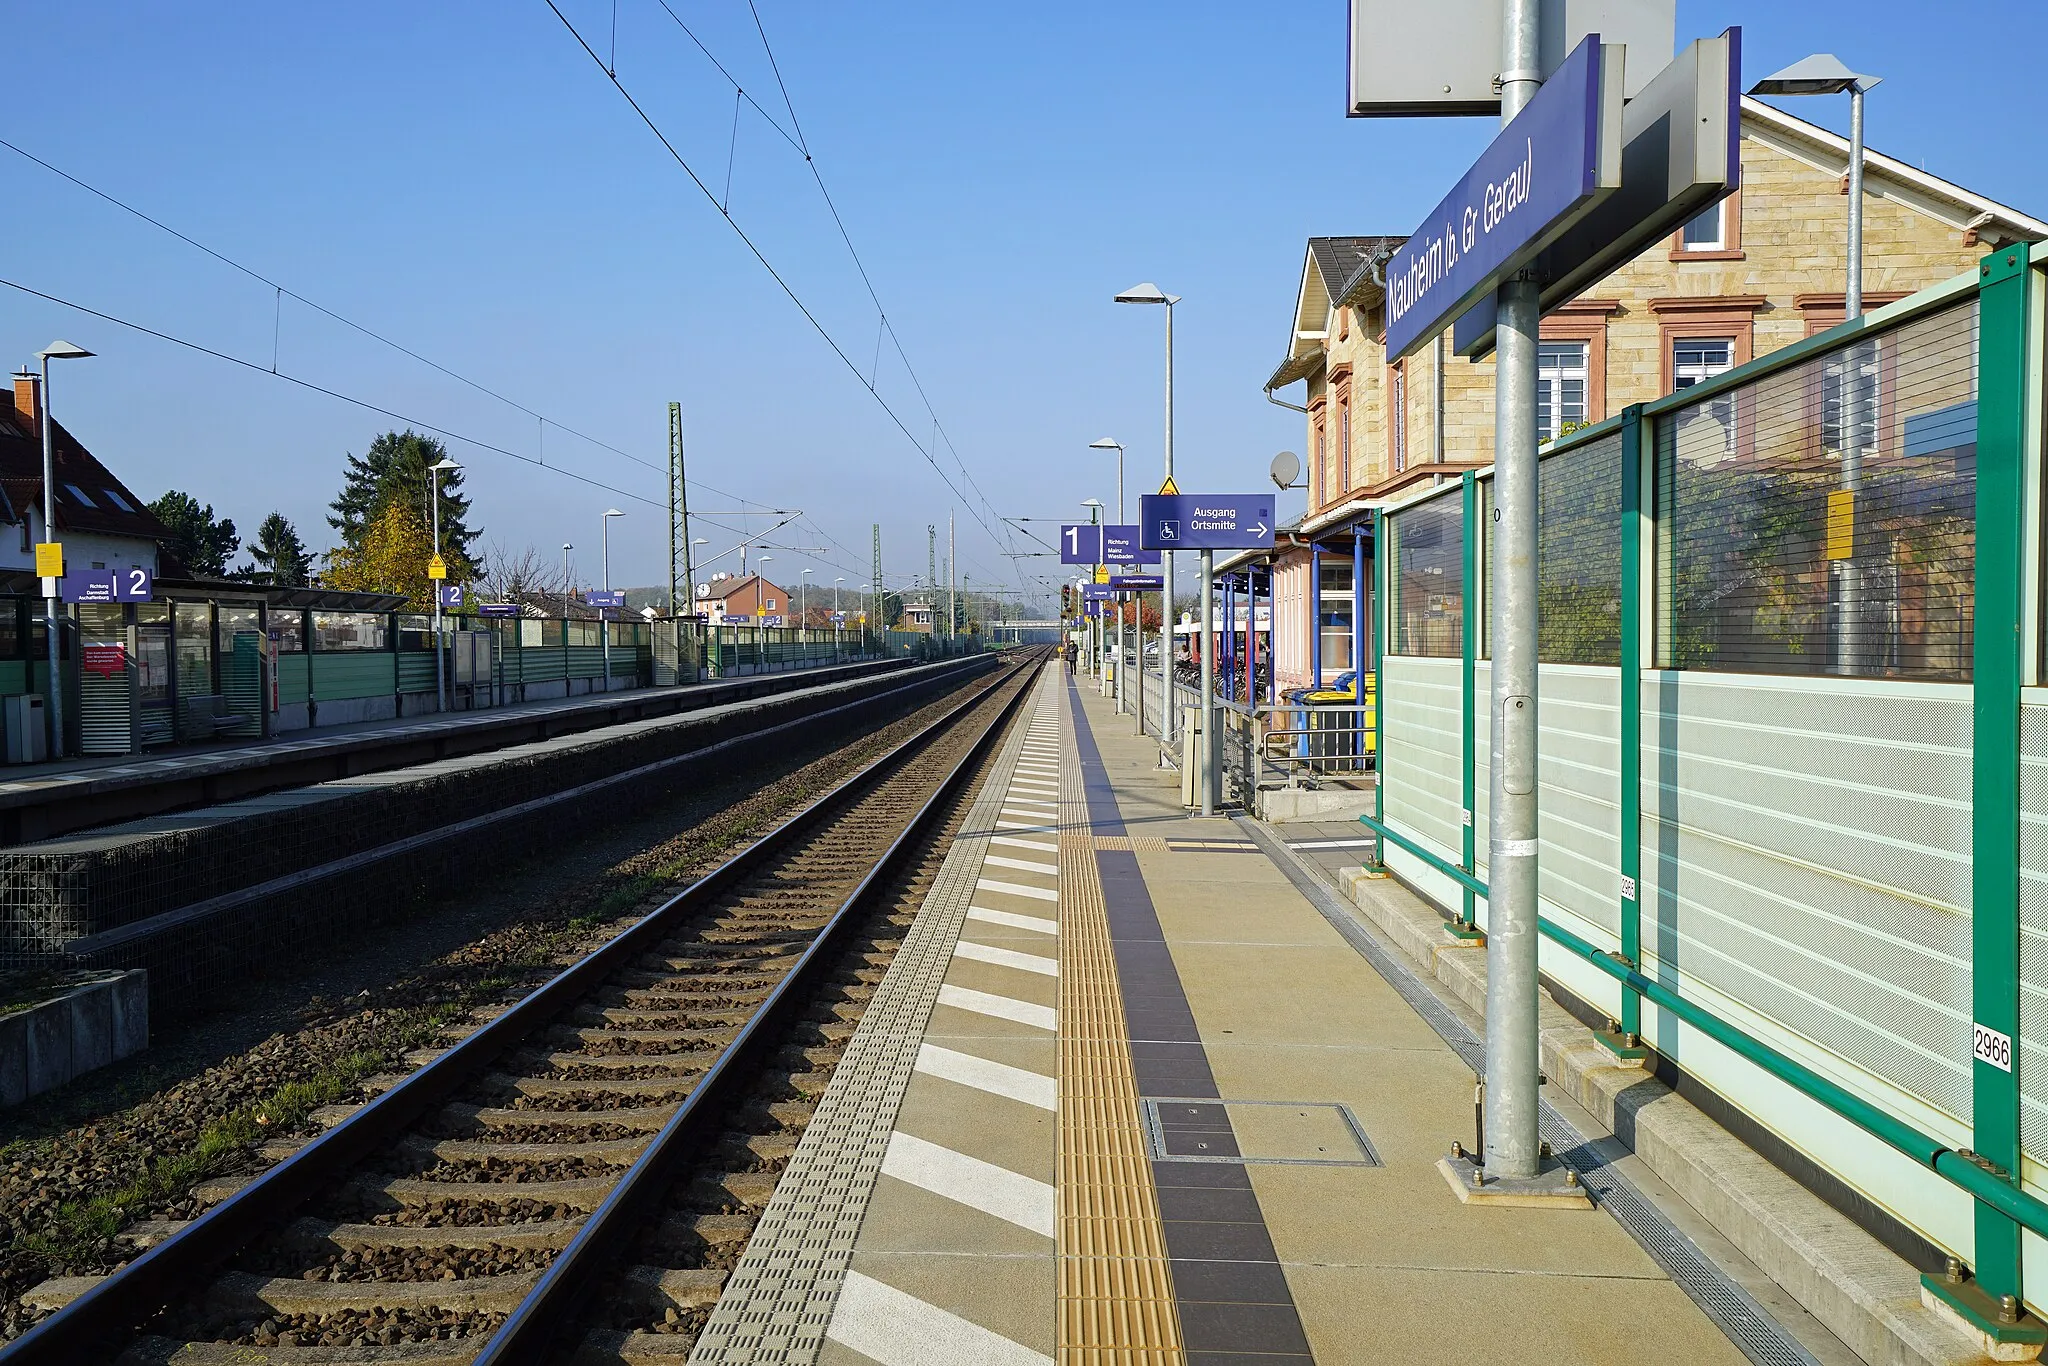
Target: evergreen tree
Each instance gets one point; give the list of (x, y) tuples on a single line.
[(197, 541), (395, 471), (278, 556)]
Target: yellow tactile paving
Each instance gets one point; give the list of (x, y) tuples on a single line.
[(1116, 1303)]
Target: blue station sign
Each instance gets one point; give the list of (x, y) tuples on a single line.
[(1137, 583), (1206, 521), (1080, 543), (498, 609), (1094, 592), (1557, 159), (1121, 544), (131, 584), (605, 597)]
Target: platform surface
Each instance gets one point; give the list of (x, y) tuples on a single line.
[(1127, 1096)]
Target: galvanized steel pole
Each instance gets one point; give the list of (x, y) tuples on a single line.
[(440, 646), (1210, 752), (1849, 574), (1168, 710), (1512, 1150), (53, 606)]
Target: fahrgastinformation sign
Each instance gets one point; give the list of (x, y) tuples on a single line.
[(1559, 157)]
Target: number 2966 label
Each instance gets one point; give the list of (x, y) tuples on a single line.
[(1993, 1047)]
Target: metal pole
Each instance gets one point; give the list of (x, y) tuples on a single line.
[(604, 621), (1211, 751), (1358, 624), (1512, 1150), (1138, 621), (440, 644), (52, 605), (952, 579), (1849, 574), (1168, 737)]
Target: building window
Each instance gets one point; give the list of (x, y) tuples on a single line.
[(1344, 444), (117, 500), (1695, 360), (84, 500), (1843, 403), (1317, 473), (1560, 387), (1400, 417), (1709, 231)]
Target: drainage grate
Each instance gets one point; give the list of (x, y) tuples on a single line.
[(1748, 1324)]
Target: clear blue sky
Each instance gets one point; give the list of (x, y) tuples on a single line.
[(461, 177)]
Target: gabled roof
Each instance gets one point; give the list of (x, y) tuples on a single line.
[(1330, 265), (77, 472), (1942, 200), (725, 588)]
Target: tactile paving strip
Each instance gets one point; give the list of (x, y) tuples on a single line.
[(778, 1301), (1115, 1285)]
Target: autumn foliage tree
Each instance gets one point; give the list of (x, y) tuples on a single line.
[(391, 557)]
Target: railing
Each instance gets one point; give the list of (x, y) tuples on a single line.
[(1795, 801)]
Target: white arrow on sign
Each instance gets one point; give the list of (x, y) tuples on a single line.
[(1259, 530)]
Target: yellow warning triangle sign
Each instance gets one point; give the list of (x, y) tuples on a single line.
[(1169, 488)]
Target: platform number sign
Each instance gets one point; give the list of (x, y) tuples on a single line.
[(1992, 1047)]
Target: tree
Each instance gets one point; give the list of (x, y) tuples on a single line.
[(396, 470), (278, 557), (197, 541), (391, 558), (525, 575)]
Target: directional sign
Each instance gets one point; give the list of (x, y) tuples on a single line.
[(1137, 583), (1680, 154), (1080, 544), (87, 585), (1095, 592), (498, 609), (728, 619), (839, 618), (605, 597), (1558, 158), (451, 594), (1206, 521), (1120, 545)]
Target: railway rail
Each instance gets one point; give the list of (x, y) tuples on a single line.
[(574, 1177)]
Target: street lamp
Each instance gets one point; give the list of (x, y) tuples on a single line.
[(803, 611), (1109, 444), (1149, 293), (52, 608), (566, 548), (604, 622), (1824, 74), (434, 473)]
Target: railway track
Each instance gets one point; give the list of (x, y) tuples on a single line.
[(574, 1178)]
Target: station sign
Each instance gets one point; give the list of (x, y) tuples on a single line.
[(1443, 57), (771, 621), (605, 597), (1080, 543), (449, 594), (1137, 583), (1206, 521), (1557, 159), (839, 618), (498, 609), (1680, 155), (729, 619), (1121, 544), (1095, 592)]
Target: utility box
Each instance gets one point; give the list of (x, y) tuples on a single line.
[(27, 729)]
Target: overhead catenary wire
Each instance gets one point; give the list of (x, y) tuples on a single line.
[(853, 367)]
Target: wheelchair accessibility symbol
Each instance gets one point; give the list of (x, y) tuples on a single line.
[(1169, 531)]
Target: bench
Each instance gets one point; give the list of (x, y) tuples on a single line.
[(205, 716)]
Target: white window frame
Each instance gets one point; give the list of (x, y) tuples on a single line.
[(1551, 381), (1720, 242)]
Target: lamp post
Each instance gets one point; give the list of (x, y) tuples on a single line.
[(1110, 444), (1824, 74), (1149, 293), (1095, 634), (566, 548), (604, 621), (434, 473), (52, 605)]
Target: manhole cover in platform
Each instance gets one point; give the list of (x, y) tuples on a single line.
[(1311, 1133)]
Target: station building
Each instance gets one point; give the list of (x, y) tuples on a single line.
[(1763, 269)]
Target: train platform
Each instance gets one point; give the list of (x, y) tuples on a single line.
[(1136, 1090), (38, 801)]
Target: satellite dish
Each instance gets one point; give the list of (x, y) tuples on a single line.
[(1286, 469)]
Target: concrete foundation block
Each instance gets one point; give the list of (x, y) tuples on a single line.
[(99, 1020), (1279, 805)]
